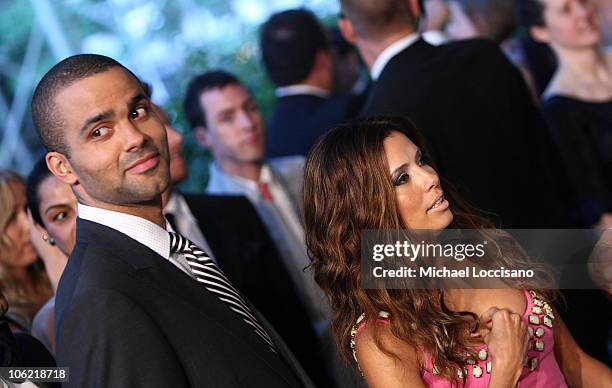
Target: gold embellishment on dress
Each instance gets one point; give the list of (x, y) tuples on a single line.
[(536, 310), (353, 335), (533, 364), (482, 354), (548, 310), (542, 315), (539, 345), (548, 321)]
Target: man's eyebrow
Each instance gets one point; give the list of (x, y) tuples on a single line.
[(109, 114), (94, 119), (137, 98), (226, 110)]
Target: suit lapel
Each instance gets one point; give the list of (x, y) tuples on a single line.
[(164, 275)]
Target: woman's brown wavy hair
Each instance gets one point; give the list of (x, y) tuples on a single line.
[(347, 189)]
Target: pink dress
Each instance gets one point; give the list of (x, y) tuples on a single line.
[(541, 369)]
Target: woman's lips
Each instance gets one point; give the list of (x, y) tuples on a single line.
[(441, 204)]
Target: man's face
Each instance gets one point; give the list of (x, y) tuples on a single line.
[(234, 128), (119, 151)]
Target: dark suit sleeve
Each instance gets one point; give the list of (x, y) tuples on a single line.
[(125, 349), (580, 158)]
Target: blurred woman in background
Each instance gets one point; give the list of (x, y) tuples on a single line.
[(577, 103), (23, 280)]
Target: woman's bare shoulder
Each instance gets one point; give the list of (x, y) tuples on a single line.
[(401, 368)]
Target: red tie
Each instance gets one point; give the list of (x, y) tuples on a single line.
[(265, 191)]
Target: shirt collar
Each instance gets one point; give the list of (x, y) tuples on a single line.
[(174, 203), (389, 52), (177, 205), (137, 228), (292, 90), (221, 182)]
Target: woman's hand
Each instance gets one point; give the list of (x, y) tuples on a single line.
[(506, 337)]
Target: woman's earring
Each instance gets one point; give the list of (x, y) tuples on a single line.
[(48, 239)]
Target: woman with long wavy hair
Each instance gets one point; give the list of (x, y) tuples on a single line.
[(373, 174), (23, 280)]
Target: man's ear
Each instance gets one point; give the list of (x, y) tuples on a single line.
[(200, 134), (539, 34), (347, 30), (59, 166)]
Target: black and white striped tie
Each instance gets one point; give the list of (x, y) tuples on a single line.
[(207, 272)]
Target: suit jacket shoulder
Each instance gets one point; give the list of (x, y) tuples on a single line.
[(297, 121), (421, 75), (127, 317)]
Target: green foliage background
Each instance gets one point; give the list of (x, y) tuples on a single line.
[(229, 40)]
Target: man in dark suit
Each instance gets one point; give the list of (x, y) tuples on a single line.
[(137, 305), (298, 59), (230, 229), (470, 103)]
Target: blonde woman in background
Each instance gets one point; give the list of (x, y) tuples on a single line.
[(23, 280)]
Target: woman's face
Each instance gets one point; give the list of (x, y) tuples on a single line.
[(420, 199), (58, 210), (570, 23), (16, 230)]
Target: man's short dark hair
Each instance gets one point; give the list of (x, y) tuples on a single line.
[(373, 18), (215, 79), (47, 119), (289, 43)]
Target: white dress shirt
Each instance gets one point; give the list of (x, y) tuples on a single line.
[(143, 231), (251, 190), (292, 90), (389, 52)]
